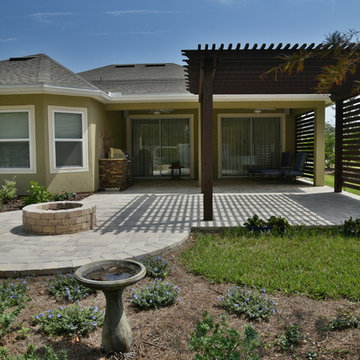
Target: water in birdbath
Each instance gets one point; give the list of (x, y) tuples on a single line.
[(112, 274)]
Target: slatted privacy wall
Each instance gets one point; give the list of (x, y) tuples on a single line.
[(350, 155), (305, 137)]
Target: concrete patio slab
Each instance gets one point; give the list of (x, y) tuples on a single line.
[(152, 217)]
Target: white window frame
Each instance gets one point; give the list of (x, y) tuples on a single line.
[(30, 110), (52, 140)]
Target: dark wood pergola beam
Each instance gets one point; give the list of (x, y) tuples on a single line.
[(206, 100), (338, 146)]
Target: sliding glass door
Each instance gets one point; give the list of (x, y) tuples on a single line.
[(249, 143), (157, 143)]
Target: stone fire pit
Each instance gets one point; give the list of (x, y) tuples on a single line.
[(60, 217)]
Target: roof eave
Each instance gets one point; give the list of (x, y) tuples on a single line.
[(120, 98), (55, 90), (275, 97)]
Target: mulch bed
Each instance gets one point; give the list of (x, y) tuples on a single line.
[(164, 333)]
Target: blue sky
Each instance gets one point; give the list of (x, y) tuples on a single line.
[(84, 34)]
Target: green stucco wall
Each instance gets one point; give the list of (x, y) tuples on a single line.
[(107, 126), (72, 182)]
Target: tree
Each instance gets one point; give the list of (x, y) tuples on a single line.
[(344, 48), (329, 146)]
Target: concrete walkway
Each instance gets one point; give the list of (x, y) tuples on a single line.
[(152, 217)]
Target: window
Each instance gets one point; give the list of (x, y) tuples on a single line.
[(17, 140), (68, 145)]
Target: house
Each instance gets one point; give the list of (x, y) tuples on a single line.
[(55, 125)]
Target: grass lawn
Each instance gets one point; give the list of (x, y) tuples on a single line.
[(318, 263), (329, 181)]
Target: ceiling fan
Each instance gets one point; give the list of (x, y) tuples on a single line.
[(259, 110), (161, 111)]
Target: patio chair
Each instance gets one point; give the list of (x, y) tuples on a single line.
[(175, 170), (298, 170), (285, 164)]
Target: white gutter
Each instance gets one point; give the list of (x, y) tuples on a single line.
[(274, 97), (119, 98), (55, 90)]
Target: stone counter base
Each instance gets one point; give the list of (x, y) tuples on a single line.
[(60, 217)]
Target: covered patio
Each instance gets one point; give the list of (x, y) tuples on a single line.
[(239, 72)]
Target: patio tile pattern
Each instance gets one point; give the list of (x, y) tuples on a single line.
[(150, 218)]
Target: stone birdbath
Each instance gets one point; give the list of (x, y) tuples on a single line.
[(111, 277)]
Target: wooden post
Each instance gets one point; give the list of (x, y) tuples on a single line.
[(207, 139), (338, 146), (319, 146)]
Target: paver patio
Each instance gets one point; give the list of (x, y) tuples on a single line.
[(151, 217)]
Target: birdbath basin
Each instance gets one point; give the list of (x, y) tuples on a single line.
[(111, 277)]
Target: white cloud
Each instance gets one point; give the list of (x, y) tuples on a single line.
[(136, 12), (45, 17), (8, 39)]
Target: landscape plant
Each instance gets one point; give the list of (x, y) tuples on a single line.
[(351, 227), (254, 304), (256, 224), (63, 196), (217, 341), (278, 225), (275, 225), (290, 339), (70, 320), (37, 194), (66, 287), (156, 267), (8, 191), (13, 298), (154, 295), (344, 320), (32, 353)]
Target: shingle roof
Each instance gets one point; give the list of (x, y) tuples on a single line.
[(39, 69), (139, 79)]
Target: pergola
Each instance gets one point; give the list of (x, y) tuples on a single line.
[(239, 70)]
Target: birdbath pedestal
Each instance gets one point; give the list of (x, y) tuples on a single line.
[(111, 277)]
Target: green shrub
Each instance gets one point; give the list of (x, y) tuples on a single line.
[(274, 224), (8, 191), (38, 194), (66, 287), (344, 320), (63, 196), (278, 225), (290, 339), (256, 224), (69, 320), (155, 295), (12, 300), (156, 267), (254, 304), (312, 355), (35, 354), (351, 227), (216, 341)]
